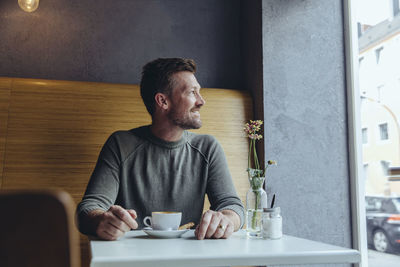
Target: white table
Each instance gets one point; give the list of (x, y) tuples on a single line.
[(138, 249)]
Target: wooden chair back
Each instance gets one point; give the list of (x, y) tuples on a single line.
[(37, 229)]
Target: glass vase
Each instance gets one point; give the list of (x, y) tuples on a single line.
[(256, 201)]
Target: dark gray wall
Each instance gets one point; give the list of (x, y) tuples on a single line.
[(305, 117), (252, 53), (252, 48), (109, 41)]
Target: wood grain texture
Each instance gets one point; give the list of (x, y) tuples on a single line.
[(57, 128), (5, 88)]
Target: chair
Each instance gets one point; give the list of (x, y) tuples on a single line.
[(37, 229)]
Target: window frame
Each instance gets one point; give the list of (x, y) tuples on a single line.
[(378, 52), (364, 134), (357, 185), (379, 92), (380, 127), (365, 170), (385, 166)]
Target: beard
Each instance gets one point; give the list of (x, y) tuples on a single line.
[(185, 121)]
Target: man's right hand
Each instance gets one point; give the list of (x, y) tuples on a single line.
[(114, 222)]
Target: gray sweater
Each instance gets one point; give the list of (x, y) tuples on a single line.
[(139, 171)]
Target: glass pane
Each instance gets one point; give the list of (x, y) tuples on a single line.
[(365, 136), (383, 129), (379, 76), (385, 167)]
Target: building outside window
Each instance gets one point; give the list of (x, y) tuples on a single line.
[(365, 136), (378, 52), (383, 131), (380, 92), (365, 165), (385, 167), (360, 60), (379, 88)]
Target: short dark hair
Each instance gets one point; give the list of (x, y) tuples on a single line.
[(157, 77)]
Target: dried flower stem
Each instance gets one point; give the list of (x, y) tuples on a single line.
[(255, 173)]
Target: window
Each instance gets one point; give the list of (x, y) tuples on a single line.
[(366, 171), (371, 76), (383, 131), (379, 90), (360, 60), (378, 52), (365, 136), (385, 167)]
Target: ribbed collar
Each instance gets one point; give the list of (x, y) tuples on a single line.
[(160, 142)]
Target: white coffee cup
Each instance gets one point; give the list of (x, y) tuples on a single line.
[(163, 220)]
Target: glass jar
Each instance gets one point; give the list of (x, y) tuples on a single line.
[(272, 223), (256, 201)]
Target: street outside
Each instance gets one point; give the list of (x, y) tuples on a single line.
[(379, 259)]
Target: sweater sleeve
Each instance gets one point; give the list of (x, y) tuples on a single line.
[(220, 189), (103, 186)]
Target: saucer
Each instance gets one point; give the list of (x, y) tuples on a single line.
[(165, 233)]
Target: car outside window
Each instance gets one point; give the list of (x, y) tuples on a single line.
[(373, 204), (388, 206), (396, 202)]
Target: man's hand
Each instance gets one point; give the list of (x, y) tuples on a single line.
[(217, 224), (114, 222)]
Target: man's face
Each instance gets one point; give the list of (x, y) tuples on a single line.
[(186, 101)]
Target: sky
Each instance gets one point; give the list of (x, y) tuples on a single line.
[(372, 12)]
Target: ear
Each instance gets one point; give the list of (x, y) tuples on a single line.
[(161, 101)]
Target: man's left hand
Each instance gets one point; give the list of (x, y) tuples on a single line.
[(217, 224)]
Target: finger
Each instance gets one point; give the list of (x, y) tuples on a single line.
[(124, 216), (118, 223), (203, 225), (110, 218), (106, 236), (214, 223), (229, 231), (108, 231), (114, 230), (221, 229), (114, 233), (134, 216), (132, 213)]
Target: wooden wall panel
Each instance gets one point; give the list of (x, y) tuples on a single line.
[(57, 128), (5, 87)]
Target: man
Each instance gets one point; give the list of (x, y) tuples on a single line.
[(162, 167)]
